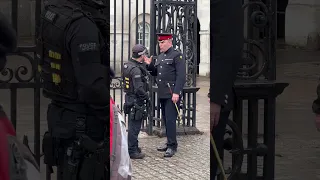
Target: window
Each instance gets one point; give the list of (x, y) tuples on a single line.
[(146, 35)]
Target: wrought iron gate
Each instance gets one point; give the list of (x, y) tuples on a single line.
[(21, 74), (180, 19), (256, 88), (137, 22)]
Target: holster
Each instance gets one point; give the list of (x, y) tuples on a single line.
[(139, 111), (127, 107), (86, 160), (94, 165), (50, 149), (72, 162)]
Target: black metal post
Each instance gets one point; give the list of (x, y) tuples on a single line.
[(256, 82)]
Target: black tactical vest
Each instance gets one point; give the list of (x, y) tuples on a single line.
[(127, 77), (55, 63)]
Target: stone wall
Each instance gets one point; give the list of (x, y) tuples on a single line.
[(26, 16), (302, 23)]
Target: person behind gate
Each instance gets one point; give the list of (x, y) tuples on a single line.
[(135, 77), (170, 69), (75, 73)]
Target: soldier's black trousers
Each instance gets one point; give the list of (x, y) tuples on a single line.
[(134, 127), (218, 136), (169, 116)]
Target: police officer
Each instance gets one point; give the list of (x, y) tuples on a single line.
[(135, 77), (74, 69), (170, 69), (226, 46)]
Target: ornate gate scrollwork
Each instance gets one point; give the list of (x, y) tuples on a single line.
[(255, 53), (180, 19), (256, 82), (233, 143)]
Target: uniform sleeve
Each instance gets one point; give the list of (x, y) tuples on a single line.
[(8, 36), (226, 45), (151, 67), (180, 65), (138, 84), (83, 39)]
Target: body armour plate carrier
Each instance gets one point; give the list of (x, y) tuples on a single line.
[(127, 77), (55, 63)]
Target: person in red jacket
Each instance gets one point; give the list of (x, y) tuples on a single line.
[(5, 129)]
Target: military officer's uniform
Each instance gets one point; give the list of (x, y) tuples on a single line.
[(170, 68), (226, 39)]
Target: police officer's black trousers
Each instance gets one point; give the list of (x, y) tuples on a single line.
[(169, 116), (218, 136), (64, 126), (134, 127)]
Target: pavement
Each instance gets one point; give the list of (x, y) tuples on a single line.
[(297, 141)]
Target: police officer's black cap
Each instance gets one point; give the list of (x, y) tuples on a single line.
[(138, 50)]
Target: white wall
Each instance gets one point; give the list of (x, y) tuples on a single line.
[(302, 23)]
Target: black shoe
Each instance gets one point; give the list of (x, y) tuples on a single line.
[(170, 152), (162, 148), (137, 155), (139, 150)]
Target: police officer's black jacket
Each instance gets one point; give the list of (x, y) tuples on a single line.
[(71, 50), (169, 67), (8, 39), (135, 79)]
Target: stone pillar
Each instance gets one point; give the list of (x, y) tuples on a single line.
[(203, 12), (302, 23), (204, 66)]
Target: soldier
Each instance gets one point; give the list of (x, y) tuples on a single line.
[(226, 45), (135, 77), (75, 73), (170, 70)]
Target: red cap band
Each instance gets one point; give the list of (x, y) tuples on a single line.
[(164, 37)]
